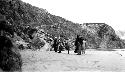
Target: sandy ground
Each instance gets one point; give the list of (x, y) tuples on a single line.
[(92, 61)]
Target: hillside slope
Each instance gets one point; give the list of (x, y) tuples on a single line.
[(22, 14), (25, 17)]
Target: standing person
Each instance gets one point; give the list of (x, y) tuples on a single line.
[(55, 45), (60, 46), (84, 46), (81, 45), (67, 46), (76, 44), (79, 49), (80, 42)]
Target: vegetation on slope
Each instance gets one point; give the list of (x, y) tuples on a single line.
[(25, 18)]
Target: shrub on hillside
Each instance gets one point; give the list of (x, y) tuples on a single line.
[(10, 59), (37, 43)]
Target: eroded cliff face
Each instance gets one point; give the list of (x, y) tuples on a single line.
[(101, 35)]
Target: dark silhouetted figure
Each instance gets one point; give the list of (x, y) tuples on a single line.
[(76, 44), (79, 49), (80, 44), (55, 45), (60, 46)]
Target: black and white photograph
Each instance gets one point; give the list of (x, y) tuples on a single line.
[(62, 36)]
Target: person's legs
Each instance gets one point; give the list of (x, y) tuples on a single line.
[(60, 48), (68, 50), (55, 48), (59, 51), (83, 50), (79, 52)]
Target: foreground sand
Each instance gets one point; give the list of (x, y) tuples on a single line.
[(92, 61)]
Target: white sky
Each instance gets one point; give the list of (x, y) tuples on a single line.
[(111, 12)]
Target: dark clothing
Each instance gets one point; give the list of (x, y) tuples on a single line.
[(79, 49), (78, 40), (60, 47), (76, 50), (67, 47), (78, 44), (55, 45)]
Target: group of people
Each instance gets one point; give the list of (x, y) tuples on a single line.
[(60, 45), (80, 45)]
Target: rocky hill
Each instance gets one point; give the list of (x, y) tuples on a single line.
[(25, 18), (101, 35)]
